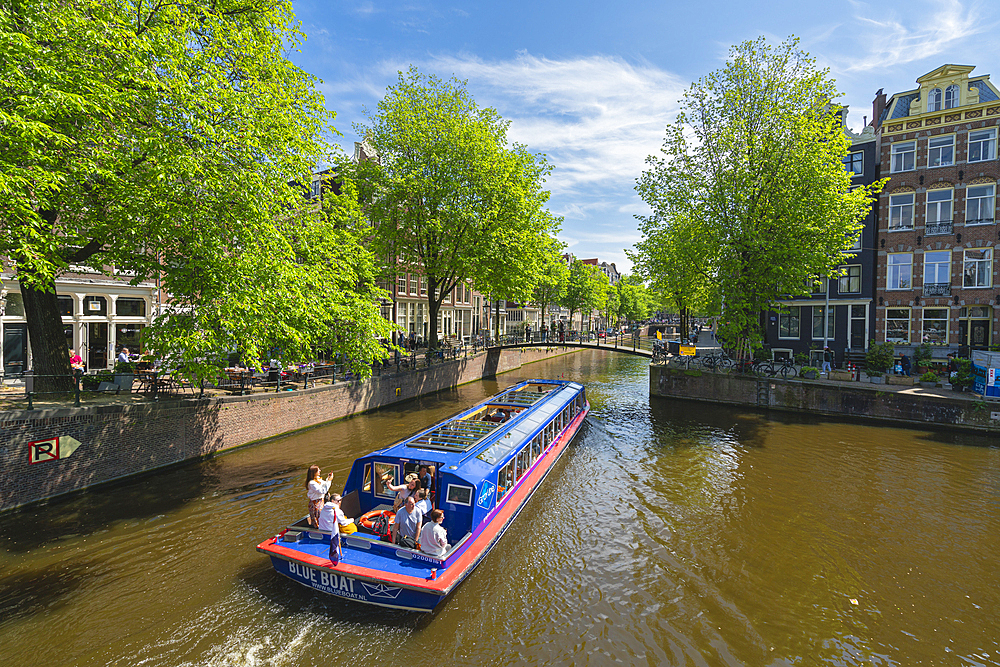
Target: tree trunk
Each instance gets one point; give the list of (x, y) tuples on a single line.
[(49, 354), (496, 320), (433, 308)]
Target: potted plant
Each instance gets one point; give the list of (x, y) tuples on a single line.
[(878, 360), (922, 358), (801, 358), (810, 372), (962, 379), (929, 380)]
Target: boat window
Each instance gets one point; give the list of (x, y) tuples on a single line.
[(460, 495), (502, 483), (523, 461), (536, 448), (366, 481), (385, 473)]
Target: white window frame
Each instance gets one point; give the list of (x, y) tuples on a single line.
[(985, 201), (899, 206), (888, 319), (851, 158), (899, 153), (846, 278), (894, 282), (933, 208), (934, 100), (987, 261), (985, 137), (790, 315), (944, 148), (951, 96), (471, 490), (924, 320), (937, 264), (831, 327)]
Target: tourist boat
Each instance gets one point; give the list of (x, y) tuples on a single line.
[(484, 473)]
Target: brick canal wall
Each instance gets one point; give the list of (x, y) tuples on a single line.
[(118, 441), (848, 399)]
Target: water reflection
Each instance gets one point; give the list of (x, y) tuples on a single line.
[(672, 533)]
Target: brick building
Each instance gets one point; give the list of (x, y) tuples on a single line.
[(937, 281)]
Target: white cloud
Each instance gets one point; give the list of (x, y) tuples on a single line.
[(596, 117), (894, 42)]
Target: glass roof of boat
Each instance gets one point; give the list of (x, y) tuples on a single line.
[(458, 435)]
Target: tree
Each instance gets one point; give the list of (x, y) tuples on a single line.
[(449, 197), (752, 171), (163, 139), (585, 288), (675, 255), (551, 276), (628, 300)]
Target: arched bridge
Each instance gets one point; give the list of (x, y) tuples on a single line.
[(641, 347)]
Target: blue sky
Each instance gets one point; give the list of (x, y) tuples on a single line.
[(593, 84)]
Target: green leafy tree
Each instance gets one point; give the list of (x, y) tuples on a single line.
[(675, 255), (628, 300), (162, 139), (752, 169), (585, 288), (551, 276), (448, 194)]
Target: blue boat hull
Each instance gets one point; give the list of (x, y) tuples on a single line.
[(377, 593)]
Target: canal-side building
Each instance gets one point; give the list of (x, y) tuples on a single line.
[(101, 313), (838, 314), (937, 282)]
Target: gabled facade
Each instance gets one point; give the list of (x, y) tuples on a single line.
[(842, 306), (937, 281)]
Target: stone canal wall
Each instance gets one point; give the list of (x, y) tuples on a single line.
[(841, 399), (118, 441)]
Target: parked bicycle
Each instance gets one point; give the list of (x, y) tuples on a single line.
[(720, 362), (774, 367)]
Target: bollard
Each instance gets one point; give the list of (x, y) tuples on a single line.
[(30, 406)]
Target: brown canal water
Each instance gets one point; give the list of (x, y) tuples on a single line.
[(671, 533)]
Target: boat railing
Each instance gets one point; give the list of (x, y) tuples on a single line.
[(366, 542)]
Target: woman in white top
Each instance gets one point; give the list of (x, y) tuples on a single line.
[(408, 488), (433, 537), (316, 488)]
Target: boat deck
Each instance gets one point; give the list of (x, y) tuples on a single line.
[(382, 556)]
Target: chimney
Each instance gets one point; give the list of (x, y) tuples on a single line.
[(878, 106), (864, 121)]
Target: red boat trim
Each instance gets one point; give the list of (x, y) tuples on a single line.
[(456, 571)]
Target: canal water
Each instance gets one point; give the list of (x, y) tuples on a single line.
[(671, 533)]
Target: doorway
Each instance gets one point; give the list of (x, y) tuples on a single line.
[(97, 345), (859, 327), (974, 326)]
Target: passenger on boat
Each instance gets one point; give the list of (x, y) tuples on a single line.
[(406, 526), (316, 488), (433, 536), (403, 491), (344, 524), (423, 502), (425, 477)]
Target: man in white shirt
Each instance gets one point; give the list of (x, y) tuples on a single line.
[(433, 536)]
